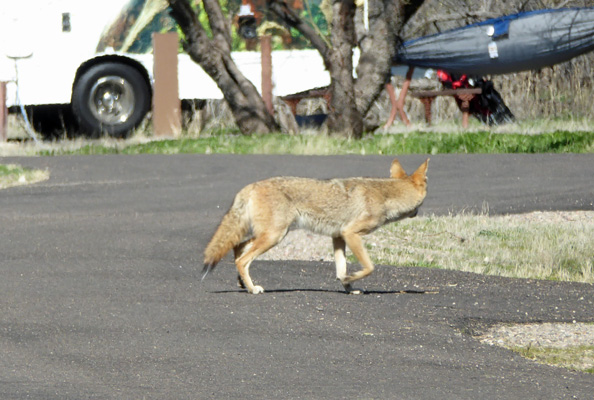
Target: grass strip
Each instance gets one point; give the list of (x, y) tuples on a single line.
[(15, 175), (481, 142), (579, 358), (511, 246)]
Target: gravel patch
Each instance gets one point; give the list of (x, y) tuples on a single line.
[(558, 335), (301, 245)]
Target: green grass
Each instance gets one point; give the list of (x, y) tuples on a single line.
[(416, 142), (15, 175), (580, 358)]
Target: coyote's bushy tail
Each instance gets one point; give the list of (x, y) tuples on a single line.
[(231, 231)]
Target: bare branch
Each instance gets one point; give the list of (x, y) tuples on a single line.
[(216, 19), (290, 18), (187, 20)]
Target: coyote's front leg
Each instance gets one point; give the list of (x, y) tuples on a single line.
[(341, 266), (340, 260), (355, 243)]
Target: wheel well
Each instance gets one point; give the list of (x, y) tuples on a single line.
[(114, 59)]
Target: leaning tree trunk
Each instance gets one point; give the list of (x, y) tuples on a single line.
[(214, 56)]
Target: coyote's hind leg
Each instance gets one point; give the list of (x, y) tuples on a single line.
[(238, 252), (255, 246)]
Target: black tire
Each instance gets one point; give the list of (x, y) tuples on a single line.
[(110, 98)]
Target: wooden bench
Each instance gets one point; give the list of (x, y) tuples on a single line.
[(426, 97), (464, 95), (293, 99)]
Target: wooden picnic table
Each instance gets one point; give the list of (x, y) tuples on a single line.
[(426, 97)]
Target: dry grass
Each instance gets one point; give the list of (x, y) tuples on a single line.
[(514, 246), (559, 91)]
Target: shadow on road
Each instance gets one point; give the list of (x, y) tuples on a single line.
[(363, 293)]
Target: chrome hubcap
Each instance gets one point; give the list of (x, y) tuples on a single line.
[(112, 100)]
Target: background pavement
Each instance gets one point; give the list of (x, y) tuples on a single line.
[(100, 293)]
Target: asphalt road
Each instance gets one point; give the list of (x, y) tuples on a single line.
[(100, 295)]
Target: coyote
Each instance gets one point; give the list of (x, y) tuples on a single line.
[(344, 209)]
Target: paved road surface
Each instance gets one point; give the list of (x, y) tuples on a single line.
[(100, 295)]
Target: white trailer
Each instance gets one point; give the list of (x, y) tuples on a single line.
[(96, 56)]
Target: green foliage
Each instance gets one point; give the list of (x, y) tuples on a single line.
[(312, 14), (315, 17), (237, 43)]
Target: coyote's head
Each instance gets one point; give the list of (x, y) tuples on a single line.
[(413, 188)]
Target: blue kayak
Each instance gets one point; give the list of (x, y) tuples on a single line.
[(511, 43)]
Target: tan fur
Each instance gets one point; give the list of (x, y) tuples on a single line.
[(344, 209)]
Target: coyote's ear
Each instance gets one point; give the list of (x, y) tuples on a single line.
[(396, 170), (419, 177)]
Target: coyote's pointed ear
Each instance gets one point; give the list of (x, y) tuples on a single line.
[(419, 177), (396, 170)]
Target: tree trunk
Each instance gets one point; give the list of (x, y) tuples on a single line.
[(344, 119), (352, 99), (214, 56), (386, 18)]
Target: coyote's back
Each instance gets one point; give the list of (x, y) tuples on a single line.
[(344, 209)]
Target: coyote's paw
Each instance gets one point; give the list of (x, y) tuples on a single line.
[(257, 290), (349, 289), (240, 283)]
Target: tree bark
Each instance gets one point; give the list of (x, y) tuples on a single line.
[(344, 119), (214, 56)]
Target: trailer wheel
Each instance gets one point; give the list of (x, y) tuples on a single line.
[(110, 98)]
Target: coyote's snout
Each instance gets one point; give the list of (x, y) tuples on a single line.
[(344, 209)]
